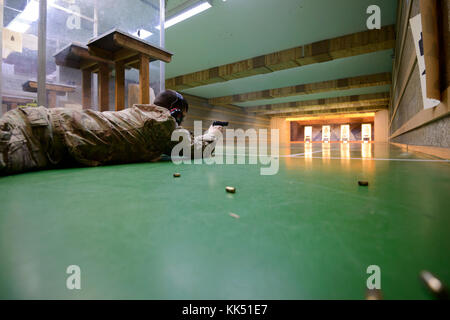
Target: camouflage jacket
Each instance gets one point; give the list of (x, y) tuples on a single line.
[(41, 138)]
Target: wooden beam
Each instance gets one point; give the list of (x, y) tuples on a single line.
[(120, 86), (332, 111), (86, 89), (338, 120), (31, 86), (132, 61), (380, 79), (336, 48), (134, 65), (144, 80), (333, 117), (103, 54), (431, 40), (103, 87), (17, 100), (366, 100), (124, 54), (87, 65), (84, 54), (78, 56), (93, 68)]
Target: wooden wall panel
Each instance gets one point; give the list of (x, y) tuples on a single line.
[(409, 122), (201, 110), (336, 48)]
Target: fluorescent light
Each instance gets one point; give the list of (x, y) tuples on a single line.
[(22, 22), (18, 26), (186, 15), (31, 12), (142, 33)]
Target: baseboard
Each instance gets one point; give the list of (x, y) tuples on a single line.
[(443, 153)]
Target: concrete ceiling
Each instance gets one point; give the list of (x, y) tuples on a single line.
[(240, 29), (173, 4)]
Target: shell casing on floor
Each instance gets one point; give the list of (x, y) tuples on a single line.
[(434, 285), (230, 189), (374, 294)]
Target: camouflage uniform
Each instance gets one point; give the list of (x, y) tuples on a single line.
[(40, 138)]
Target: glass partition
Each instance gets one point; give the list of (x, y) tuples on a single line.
[(68, 21), (140, 18), (19, 51), (71, 21)]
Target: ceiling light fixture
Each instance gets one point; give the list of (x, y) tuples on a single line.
[(186, 14), (22, 22)]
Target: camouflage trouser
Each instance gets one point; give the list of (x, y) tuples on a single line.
[(25, 140), (41, 138)]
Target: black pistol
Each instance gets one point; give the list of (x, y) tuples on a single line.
[(220, 123)]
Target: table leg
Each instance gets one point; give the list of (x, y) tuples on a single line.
[(51, 99), (144, 79), (103, 87), (120, 85), (86, 88)]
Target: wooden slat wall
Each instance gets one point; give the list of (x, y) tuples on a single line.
[(200, 109), (407, 115), (365, 101), (380, 79), (321, 51)]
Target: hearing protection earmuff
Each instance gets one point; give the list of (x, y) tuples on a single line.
[(177, 106)]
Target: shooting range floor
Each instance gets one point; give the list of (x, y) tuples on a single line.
[(308, 232)]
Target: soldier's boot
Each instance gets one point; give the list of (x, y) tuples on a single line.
[(20, 148), (5, 134)]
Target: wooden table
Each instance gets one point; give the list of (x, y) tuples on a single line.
[(77, 56), (125, 50), (53, 89), (12, 101)]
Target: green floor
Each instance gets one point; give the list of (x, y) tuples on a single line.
[(308, 232)]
